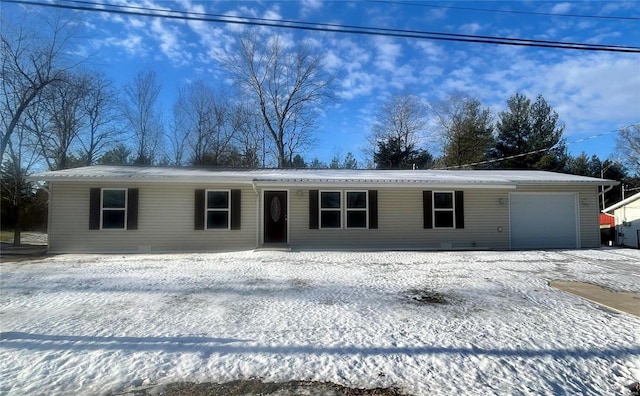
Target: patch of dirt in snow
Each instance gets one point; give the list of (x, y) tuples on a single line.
[(257, 387), (426, 296)]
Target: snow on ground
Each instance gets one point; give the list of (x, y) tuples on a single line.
[(102, 324)]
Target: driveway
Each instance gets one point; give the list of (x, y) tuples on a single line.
[(422, 322)]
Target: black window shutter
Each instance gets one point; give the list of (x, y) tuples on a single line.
[(94, 208), (235, 209), (459, 209), (373, 209), (427, 208), (314, 213), (198, 213), (132, 209)]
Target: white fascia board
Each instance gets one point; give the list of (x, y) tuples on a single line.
[(378, 185), (137, 179), (621, 203), (604, 182)]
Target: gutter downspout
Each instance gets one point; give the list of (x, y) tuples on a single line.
[(48, 215), (255, 190), (604, 191)]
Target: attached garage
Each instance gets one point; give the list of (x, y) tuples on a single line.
[(543, 220)]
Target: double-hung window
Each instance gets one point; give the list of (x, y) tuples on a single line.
[(113, 209), (330, 209), (343, 209), (218, 209), (356, 209), (443, 210), (340, 209)]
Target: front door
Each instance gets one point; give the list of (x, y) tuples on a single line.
[(275, 217)]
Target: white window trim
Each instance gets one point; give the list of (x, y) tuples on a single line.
[(452, 209), (321, 209), (125, 209), (347, 209), (207, 210)]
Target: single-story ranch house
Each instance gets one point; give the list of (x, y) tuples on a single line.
[(627, 221), (154, 209)]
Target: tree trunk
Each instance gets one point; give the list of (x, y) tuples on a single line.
[(18, 227)]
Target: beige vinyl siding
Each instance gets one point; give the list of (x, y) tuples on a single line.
[(588, 209), (400, 224), (165, 220)]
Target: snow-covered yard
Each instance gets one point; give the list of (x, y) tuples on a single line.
[(101, 324)]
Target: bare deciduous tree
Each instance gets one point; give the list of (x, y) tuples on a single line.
[(250, 138), (15, 189), (628, 147), (99, 108), (30, 61), (204, 124), (142, 115), (403, 117), (286, 83), (399, 127), (59, 118)]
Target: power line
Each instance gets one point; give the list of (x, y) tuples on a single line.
[(331, 28), (332, 25), (616, 17)]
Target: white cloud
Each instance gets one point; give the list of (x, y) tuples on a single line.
[(387, 52), (432, 50), (357, 84), (135, 23), (598, 87), (332, 61), (309, 6), (561, 8), (272, 14), (470, 28), (132, 44), (170, 43), (585, 90), (234, 27), (617, 6)]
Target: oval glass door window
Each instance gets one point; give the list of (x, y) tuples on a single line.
[(276, 209)]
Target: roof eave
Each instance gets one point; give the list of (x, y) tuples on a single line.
[(622, 203), (367, 184)]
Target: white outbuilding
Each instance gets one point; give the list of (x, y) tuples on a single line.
[(627, 221)]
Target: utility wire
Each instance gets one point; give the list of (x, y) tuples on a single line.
[(331, 28), (619, 17), (334, 26)]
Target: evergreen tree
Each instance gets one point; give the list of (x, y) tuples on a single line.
[(350, 162), (335, 162), (298, 162), (532, 129), (394, 154), (317, 164), (467, 130), (119, 155)]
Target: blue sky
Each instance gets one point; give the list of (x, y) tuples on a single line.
[(593, 92)]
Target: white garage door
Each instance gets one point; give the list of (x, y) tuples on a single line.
[(540, 221)]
